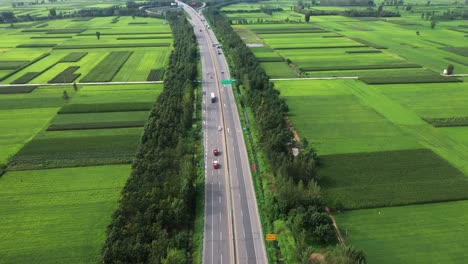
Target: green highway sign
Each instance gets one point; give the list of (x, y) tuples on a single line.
[(228, 81)]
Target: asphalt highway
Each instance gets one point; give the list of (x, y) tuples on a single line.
[(232, 229)]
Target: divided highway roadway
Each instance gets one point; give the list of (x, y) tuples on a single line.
[(232, 229)]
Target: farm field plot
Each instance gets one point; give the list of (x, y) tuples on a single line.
[(23, 115), (431, 100), (148, 38), (430, 233), (390, 178), (336, 121), (93, 108), (58, 215)]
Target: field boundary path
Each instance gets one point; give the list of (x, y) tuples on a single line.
[(316, 78), (87, 83), (335, 225)]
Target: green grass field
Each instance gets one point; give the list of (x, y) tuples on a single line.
[(431, 233), (390, 178), (58, 215)]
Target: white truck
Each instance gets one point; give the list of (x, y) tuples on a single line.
[(213, 97)]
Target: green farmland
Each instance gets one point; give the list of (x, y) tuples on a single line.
[(392, 136), (66, 150), (39, 54), (58, 215)]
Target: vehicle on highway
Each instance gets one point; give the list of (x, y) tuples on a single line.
[(219, 128), (219, 52), (215, 152), (215, 164), (213, 97)]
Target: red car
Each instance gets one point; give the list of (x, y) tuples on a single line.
[(215, 152), (215, 164)]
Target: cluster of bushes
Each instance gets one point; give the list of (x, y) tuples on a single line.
[(154, 221), (296, 198)]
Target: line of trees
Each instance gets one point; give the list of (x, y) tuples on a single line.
[(154, 221)]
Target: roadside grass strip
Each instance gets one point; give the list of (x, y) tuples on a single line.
[(108, 67), (58, 215), (16, 89), (42, 153), (390, 178), (448, 122), (106, 107), (73, 57), (66, 76), (111, 46)]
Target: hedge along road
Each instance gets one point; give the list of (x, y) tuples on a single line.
[(88, 83)]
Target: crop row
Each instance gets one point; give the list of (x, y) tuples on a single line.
[(402, 79), (362, 67), (270, 59), (389, 178), (110, 46), (107, 68), (16, 89), (155, 75), (462, 51), (37, 45), (76, 151), (145, 37), (27, 77), (448, 122), (458, 61), (12, 65), (73, 57), (97, 125), (367, 43), (57, 31), (125, 34), (320, 47), (292, 31), (50, 37), (363, 51), (105, 107), (66, 76)]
